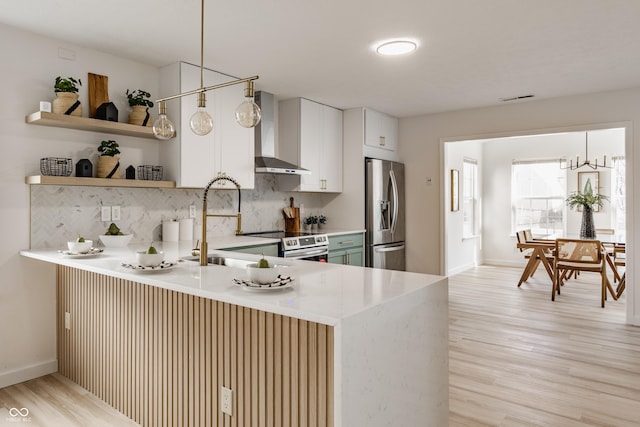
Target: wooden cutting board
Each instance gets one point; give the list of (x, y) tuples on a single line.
[(98, 92)]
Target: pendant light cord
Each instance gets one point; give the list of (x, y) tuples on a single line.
[(202, 45)]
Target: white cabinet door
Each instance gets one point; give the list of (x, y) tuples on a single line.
[(228, 149), (381, 130), (311, 145), (315, 131), (332, 153)]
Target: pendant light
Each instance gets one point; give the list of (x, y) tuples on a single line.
[(248, 113), (163, 128), (586, 162)]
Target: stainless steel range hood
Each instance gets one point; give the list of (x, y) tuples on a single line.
[(265, 140)]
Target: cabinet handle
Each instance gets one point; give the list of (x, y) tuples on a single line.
[(346, 242), (382, 141), (346, 259)]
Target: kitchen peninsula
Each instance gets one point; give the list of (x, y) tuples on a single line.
[(345, 346)]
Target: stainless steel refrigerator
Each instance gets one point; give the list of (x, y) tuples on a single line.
[(384, 214)]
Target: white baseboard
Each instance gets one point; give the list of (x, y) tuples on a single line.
[(28, 373)]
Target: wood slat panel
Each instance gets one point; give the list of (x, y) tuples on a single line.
[(160, 357)]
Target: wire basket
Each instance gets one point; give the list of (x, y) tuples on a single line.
[(56, 166), (150, 172)]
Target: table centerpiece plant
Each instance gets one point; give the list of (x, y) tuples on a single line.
[(586, 200)]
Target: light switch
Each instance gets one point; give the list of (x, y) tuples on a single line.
[(105, 213)]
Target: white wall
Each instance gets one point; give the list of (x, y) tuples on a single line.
[(421, 149), (462, 253)]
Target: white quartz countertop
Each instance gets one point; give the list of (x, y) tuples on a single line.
[(321, 292)]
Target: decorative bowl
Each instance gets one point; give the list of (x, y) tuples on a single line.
[(149, 260), (115, 241), (262, 275), (80, 247)]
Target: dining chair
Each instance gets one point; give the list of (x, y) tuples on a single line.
[(580, 255), (530, 268), (537, 252), (620, 263)]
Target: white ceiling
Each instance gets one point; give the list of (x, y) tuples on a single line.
[(471, 53)]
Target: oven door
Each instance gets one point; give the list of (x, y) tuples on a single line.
[(317, 253)]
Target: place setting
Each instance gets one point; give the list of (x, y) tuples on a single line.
[(263, 276), (150, 260), (80, 248)]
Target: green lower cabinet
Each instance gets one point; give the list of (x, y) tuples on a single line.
[(270, 249), (347, 249)]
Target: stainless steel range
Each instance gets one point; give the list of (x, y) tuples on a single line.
[(299, 245)]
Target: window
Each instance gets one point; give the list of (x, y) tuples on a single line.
[(538, 192), (470, 198), (618, 210)]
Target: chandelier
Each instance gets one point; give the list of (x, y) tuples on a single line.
[(595, 164), (248, 113)]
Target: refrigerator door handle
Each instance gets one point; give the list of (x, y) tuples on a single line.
[(390, 249), (394, 188)]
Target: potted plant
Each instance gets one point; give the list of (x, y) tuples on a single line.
[(66, 102), (322, 220), (311, 222), (139, 102), (109, 162), (586, 200)]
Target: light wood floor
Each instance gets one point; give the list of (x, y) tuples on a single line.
[(515, 359), (518, 359)]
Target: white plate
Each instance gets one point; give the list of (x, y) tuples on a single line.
[(164, 266), (92, 252), (281, 283)]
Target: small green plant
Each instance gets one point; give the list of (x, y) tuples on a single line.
[(139, 97), (586, 198), (310, 220), (67, 85), (322, 219), (108, 148)]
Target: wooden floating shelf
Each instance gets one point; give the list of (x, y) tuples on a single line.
[(84, 123), (97, 182)]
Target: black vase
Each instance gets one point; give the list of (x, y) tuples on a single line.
[(587, 229)]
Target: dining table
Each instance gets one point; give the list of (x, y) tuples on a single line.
[(541, 253)]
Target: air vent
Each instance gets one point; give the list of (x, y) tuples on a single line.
[(515, 98)]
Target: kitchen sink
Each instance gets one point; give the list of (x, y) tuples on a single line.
[(222, 260)]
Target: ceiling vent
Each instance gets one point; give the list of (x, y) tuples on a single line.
[(516, 98)]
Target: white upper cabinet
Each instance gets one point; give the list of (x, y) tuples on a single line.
[(381, 130), (314, 132), (229, 149)]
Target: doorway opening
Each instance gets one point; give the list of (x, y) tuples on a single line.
[(495, 206)]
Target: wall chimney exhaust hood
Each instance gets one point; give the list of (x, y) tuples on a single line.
[(265, 141)]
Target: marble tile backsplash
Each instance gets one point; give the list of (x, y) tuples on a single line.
[(61, 213)]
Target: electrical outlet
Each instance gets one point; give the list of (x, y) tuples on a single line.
[(226, 400), (105, 213), (67, 320), (192, 211), (115, 213)]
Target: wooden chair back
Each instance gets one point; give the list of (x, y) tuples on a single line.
[(579, 251), (520, 235)]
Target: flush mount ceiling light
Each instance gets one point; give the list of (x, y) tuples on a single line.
[(396, 47), (248, 113)]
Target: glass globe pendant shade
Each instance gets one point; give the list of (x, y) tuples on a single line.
[(163, 128), (201, 123), (248, 113)]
